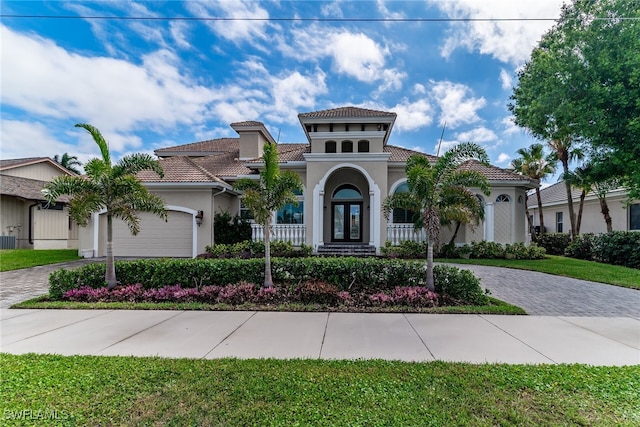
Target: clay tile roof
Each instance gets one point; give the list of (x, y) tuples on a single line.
[(226, 164), (288, 153), (179, 169), (346, 112), (220, 145), (400, 154), (247, 123), (493, 173), (29, 189)]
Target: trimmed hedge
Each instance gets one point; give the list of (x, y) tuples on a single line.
[(344, 273), (554, 243), (250, 249), (480, 250), (617, 248)]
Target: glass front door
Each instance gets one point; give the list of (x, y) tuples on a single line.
[(347, 222)]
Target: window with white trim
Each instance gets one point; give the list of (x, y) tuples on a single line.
[(559, 222), (290, 213), (634, 217), (403, 216)]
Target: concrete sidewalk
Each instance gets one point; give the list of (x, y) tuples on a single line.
[(410, 337)]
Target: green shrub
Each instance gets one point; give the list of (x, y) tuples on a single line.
[(536, 252), (405, 250), (346, 273), (459, 284), (230, 229), (554, 243), (486, 250), (516, 251), (251, 249), (582, 247), (618, 248)]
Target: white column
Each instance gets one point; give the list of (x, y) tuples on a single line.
[(373, 226), (489, 222)]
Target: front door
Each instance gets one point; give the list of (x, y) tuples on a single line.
[(346, 222)]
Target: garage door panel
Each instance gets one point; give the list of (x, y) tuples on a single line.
[(156, 238)]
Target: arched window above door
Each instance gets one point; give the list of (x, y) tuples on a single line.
[(347, 192)]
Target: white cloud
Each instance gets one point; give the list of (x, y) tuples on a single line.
[(295, 91), (507, 41), (178, 30), (509, 126), (506, 80), (456, 106), (43, 79), (386, 13), (419, 89), (353, 54), (477, 135), (234, 30), (27, 139), (332, 9), (412, 115), (503, 158)]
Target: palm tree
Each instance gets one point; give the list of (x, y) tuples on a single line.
[(566, 152), (440, 192), (68, 162), (113, 187), (273, 190), (579, 178), (535, 164)]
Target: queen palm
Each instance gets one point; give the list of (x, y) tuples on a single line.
[(110, 187), (273, 190), (535, 164), (566, 151), (441, 192)]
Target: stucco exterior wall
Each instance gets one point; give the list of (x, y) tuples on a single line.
[(592, 218)]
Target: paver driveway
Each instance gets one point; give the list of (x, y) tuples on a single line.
[(538, 293)]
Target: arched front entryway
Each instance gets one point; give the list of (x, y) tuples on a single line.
[(348, 206)]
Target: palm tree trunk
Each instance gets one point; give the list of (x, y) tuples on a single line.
[(583, 194), (532, 230), (455, 234), (268, 280), (604, 208), (572, 215), (110, 272), (430, 281), (540, 210)]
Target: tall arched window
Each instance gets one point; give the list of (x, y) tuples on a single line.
[(347, 146), (347, 192), (403, 216)]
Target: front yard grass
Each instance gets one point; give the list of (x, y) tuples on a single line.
[(565, 266), (93, 390), (15, 259), (495, 306)]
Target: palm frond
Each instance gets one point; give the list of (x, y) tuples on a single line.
[(134, 163), (99, 139)]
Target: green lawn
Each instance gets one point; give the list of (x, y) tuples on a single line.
[(89, 390), (15, 259), (569, 267)]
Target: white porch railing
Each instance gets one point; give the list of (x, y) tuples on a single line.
[(397, 233), (294, 233)]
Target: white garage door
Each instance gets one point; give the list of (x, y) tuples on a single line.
[(156, 238)]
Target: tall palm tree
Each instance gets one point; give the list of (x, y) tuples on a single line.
[(113, 187), (566, 152), (440, 192), (535, 164), (273, 190), (68, 162)]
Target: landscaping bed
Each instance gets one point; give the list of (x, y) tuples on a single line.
[(302, 284)]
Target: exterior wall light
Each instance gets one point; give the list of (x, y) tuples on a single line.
[(199, 217)]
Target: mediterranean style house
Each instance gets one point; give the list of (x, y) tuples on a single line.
[(624, 216), (348, 169), (27, 221)]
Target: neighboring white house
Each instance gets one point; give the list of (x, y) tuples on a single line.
[(624, 216), (347, 167), (27, 221)]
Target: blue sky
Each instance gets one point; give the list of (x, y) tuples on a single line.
[(154, 83)]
